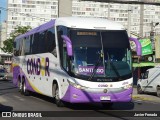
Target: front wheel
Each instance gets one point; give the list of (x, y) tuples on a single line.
[(139, 90), (58, 101)]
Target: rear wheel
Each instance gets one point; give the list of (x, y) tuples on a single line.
[(158, 91), (20, 85), (24, 90), (139, 89), (58, 102)]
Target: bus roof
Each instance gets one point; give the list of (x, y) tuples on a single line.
[(77, 22), (89, 23)]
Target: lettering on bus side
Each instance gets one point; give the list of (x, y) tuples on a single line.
[(37, 66)]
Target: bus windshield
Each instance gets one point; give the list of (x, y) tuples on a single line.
[(106, 53)]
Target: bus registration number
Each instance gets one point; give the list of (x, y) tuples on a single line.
[(105, 98)]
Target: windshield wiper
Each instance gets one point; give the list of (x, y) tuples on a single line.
[(96, 66)]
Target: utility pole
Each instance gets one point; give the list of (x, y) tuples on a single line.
[(141, 20), (152, 32), (108, 11), (129, 20), (64, 8)]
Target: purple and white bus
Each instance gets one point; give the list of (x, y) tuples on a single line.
[(76, 60)]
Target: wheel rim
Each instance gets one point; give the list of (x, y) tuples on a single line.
[(139, 89), (20, 85), (24, 87)]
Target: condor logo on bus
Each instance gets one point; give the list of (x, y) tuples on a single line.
[(37, 66)]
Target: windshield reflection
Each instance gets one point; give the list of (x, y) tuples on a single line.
[(114, 62)]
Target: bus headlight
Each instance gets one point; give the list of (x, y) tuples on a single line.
[(76, 85), (128, 86)]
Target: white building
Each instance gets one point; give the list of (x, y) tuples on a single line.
[(36, 12), (30, 12), (3, 31)]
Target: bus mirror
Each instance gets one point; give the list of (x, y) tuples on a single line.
[(68, 44)]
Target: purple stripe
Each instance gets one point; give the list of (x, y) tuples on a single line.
[(38, 29), (86, 97)]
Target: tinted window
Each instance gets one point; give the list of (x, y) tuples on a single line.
[(41, 42), (27, 46)]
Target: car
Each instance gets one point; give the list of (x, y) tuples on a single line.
[(149, 82), (3, 74)]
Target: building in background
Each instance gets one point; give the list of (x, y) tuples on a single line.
[(36, 12), (3, 35), (30, 13)]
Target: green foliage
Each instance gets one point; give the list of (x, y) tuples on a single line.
[(8, 44)]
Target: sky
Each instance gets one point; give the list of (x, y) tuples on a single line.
[(3, 3)]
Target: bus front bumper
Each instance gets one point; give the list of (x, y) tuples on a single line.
[(74, 95)]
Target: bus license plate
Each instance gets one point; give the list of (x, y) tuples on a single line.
[(105, 98)]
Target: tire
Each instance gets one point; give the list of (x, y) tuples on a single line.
[(139, 90), (24, 90), (158, 91), (107, 105), (58, 101), (19, 86)]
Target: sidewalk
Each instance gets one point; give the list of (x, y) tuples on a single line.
[(144, 97)]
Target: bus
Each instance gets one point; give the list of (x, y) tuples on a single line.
[(75, 60)]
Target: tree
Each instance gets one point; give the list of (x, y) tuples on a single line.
[(8, 44)]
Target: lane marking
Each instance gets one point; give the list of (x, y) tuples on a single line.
[(2, 99), (20, 98)]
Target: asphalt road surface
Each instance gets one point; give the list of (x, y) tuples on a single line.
[(12, 100)]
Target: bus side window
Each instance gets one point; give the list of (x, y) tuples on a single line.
[(50, 42), (62, 48), (65, 60), (35, 44), (27, 46)]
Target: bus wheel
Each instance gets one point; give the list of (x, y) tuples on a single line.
[(139, 89), (107, 105), (58, 102), (24, 90), (158, 91), (19, 86)]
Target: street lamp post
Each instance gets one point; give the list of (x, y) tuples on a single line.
[(152, 33), (129, 20)]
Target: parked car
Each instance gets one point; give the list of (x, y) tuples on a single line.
[(3, 74), (150, 81)]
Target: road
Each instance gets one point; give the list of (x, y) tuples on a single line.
[(12, 100)]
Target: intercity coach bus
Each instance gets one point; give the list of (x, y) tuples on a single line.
[(75, 60)]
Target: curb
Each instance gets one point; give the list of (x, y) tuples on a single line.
[(137, 97), (145, 99)]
